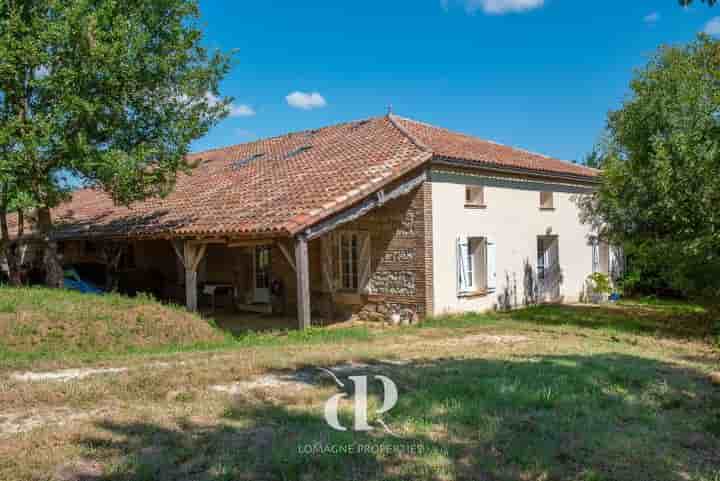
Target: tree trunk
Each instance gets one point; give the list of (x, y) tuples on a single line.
[(51, 260), (9, 250)]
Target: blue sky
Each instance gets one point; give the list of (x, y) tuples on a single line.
[(536, 74)]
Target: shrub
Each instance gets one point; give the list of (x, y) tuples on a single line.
[(600, 283)]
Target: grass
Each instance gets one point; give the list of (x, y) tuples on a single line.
[(546, 393), (41, 326), (641, 316), (39, 323)]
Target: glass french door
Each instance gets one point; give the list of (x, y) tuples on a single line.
[(548, 268), (261, 274)]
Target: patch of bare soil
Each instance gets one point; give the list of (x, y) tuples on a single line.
[(296, 380), (80, 470), (304, 378), (12, 423), (482, 339), (64, 375)]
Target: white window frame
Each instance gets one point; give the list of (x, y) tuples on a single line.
[(552, 200), (359, 266), (468, 268), (476, 200)]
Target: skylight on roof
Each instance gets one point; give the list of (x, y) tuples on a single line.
[(358, 124), (298, 151), (244, 161)]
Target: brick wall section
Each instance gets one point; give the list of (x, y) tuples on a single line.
[(401, 262), (426, 190)]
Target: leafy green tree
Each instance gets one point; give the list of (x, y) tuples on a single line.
[(686, 3), (593, 159), (111, 92), (12, 199), (660, 189)]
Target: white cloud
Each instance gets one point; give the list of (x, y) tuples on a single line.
[(498, 7), (713, 27), (306, 101), (241, 110), (653, 17)]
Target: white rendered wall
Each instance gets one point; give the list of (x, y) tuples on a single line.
[(513, 220)]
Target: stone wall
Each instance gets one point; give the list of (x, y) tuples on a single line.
[(398, 289)]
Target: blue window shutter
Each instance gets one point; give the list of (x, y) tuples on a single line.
[(491, 265)]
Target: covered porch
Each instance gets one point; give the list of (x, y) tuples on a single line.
[(367, 262)]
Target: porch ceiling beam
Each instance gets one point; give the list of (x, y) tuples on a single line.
[(251, 243), (179, 249), (208, 241), (371, 202), (287, 255)]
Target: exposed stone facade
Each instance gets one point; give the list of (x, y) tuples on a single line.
[(398, 288)]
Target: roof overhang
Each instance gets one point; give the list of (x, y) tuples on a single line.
[(518, 171)]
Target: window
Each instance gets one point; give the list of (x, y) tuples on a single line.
[(549, 271), (244, 161), (353, 250), (476, 265), (262, 267), (474, 196), (547, 200), (298, 151)]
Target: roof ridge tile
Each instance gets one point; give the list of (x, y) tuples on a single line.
[(406, 133)]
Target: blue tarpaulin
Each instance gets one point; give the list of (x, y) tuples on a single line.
[(73, 282)]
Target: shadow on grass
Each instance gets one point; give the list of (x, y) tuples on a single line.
[(666, 321), (595, 417)]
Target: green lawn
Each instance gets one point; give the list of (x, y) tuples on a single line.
[(44, 324), (546, 393)]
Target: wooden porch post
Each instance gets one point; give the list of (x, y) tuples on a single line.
[(112, 254), (303, 282), (190, 254)]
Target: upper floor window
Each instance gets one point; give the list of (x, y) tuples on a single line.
[(474, 196), (547, 200)]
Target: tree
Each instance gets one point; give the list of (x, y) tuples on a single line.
[(12, 199), (686, 3), (593, 159), (109, 91), (660, 187)]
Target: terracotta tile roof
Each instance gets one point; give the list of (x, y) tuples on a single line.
[(281, 185), (453, 145)]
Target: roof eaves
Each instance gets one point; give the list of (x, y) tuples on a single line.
[(475, 164), (302, 221)]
